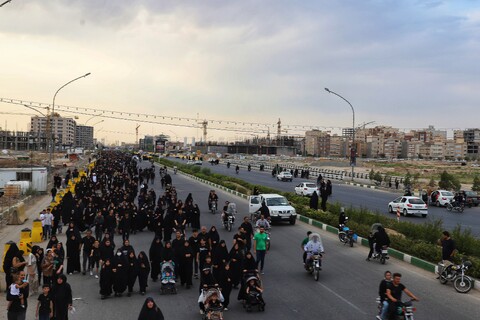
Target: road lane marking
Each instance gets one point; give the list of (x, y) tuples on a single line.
[(342, 298)]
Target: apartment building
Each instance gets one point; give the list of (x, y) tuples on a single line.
[(63, 129), (317, 143)]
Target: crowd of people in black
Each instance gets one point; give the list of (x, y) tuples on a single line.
[(114, 201)]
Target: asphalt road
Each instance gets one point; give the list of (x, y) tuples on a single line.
[(347, 287), (357, 197)]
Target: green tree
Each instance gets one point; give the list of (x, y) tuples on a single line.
[(476, 183), (371, 175), (448, 182), (408, 179), (378, 177)]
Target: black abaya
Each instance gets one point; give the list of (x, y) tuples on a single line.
[(143, 271), (132, 273), (120, 274), (73, 255), (106, 280)]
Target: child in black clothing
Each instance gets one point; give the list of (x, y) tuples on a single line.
[(45, 304)]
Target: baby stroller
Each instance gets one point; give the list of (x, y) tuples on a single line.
[(168, 278), (253, 297), (213, 310)]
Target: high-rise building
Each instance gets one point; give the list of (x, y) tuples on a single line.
[(62, 129), (317, 143), (84, 137)]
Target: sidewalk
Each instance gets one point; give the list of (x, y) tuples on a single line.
[(12, 233)]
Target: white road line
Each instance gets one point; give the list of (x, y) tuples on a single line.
[(342, 298)]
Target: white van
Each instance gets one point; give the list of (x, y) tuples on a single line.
[(280, 208)]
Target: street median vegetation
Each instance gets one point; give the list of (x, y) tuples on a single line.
[(418, 240)]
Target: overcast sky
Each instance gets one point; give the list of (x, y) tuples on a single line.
[(407, 63)]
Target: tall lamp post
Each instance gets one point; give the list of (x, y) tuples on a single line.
[(52, 147), (353, 151), (5, 2)]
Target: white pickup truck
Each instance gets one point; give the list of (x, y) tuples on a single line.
[(280, 208)]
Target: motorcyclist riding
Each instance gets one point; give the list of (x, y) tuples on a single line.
[(212, 198), (229, 210), (262, 222), (314, 245), (237, 168), (249, 167), (457, 200), (381, 239)]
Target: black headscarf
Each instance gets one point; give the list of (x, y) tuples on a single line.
[(249, 263), (11, 253), (150, 313), (220, 254)]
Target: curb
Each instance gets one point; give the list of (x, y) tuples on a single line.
[(417, 262), (361, 185)]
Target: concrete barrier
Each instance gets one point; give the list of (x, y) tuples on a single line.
[(17, 214)]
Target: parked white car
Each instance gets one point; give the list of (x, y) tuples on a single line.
[(306, 189), (440, 198), (408, 206), (284, 176)]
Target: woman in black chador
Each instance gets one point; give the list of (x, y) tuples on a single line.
[(143, 271), (106, 279), (156, 249), (132, 272), (186, 265), (219, 258), (150, 311), (73, 253), (120, 273)]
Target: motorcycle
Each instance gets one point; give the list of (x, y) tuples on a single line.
[(249, 168), (237, 169), (228, 217), (228, 221), (345, 235), (228, 165), (382, 256), (454, 206), (314, 265), (456, 273), (213, 207), (404, 310), (174, 170)]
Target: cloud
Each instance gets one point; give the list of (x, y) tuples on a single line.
[(396, 61)]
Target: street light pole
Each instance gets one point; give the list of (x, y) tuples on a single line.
[(353, 151), (5, 2), (52, 147)]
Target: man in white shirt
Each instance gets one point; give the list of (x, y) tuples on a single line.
[(47, 219)]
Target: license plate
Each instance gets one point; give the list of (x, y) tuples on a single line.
[(384, 251)]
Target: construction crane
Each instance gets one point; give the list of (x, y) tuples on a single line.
[(136, 136)]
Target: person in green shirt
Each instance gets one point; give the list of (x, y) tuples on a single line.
[(304, 242), (260, 247)]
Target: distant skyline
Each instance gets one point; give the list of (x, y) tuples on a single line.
[(406, 64)]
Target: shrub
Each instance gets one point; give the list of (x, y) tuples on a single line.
[(448, 182), (476, 183)]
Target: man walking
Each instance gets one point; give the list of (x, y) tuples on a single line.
[(260, 247), (53, 192), (448, 251)]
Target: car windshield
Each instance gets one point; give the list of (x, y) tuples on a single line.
[(470, 194), (310, 185), (416, 201), (447, 194), (280, 201)]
